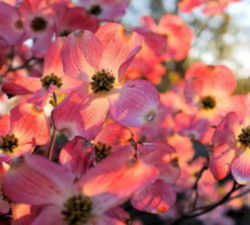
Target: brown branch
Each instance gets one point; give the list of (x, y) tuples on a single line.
[(53, 136), (208, 208), (195, 187)]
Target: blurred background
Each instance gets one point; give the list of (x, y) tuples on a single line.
[(222, 39)]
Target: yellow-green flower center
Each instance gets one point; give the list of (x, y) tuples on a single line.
[(244, 137), (51, 79), (95, 10), (9, 143), (208, 102), (19, 24), (101, 151), (102, 81), (38, 24), (77, 210)]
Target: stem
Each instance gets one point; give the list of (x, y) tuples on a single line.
[(195, 188), (53, 136), (208, 208), (52, 144)]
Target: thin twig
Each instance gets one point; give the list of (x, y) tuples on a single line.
[(53, 136), (52, 144), (195, 187), (208, 208)]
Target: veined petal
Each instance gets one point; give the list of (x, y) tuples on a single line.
[(224, 133), (100, 183), (241, 168), (163, 158), (81, 55), (112, 133), (155, 198), (19, 85), (49, 216), (11, 27), (119, 48), (136, 104), (52, 59), (81, 114), (38, 181), (4, 124), (75, 156), (27, 123), (221, 160)]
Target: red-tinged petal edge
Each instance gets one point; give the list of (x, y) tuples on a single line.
[(136, 104), (241, 168), (221, 160), (35, 180), (101, 184), (155, 198)]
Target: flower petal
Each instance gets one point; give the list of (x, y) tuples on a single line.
[(100, 183), (155, 198), (38, 181), (4, 124), (27, 123), (136, 104), (119, 48), (23, 214), (221, 160), (81, 55), (11, 26), (75, 156), (49, 216), (224, 133), (241, 168), (81, 114), (19, 85), (112, 133)]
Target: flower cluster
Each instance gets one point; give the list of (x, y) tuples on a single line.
[(81, 134)]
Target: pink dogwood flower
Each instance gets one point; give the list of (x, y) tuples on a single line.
[(11, 26), (69, 19), (39, 91), (65, 201), (22, 130), (178, 36), (210, 90), (99, 62), (160, 195), (232, 136), (39, 24)]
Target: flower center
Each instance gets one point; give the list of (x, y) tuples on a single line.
[(51, 79), (9, 143), (208, 102), (101, 151), (38, 24), (65, 33), (77, 210), (19, 24), (102, 81), (95, 10), (244, 137), (150, 116)]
